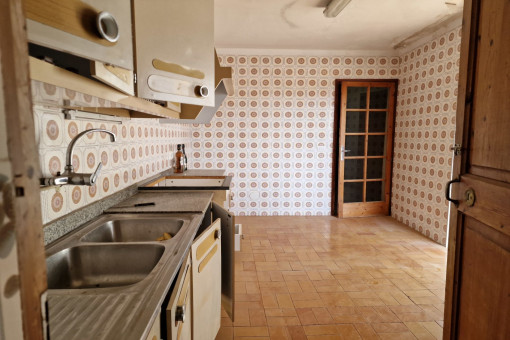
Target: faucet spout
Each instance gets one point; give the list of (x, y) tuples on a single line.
[(70, 148), (69, 176)]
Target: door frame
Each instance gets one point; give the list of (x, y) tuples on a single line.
[(466, 84), (22, 191), (335, 180)]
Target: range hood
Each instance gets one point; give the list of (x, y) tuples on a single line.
[(194, 114)]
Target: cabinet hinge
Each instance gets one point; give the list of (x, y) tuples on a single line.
[(457, 149), (134, 78)]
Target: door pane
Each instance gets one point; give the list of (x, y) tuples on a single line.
[(375, 191), (353, 192), (357, 97), (377, 121), (356, 145), (375, 168), (353, 168), (378, 97), (376, 145), (355, 121)]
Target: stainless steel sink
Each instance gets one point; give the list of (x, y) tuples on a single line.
[(137, 229), (103, 265)]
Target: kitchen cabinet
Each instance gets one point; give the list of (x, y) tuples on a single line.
[(206, 282), (174, 50), (155, 332), (179, 312), (92, 29), (227, 257)]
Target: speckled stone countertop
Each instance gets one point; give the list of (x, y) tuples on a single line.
[(126, 312), (178, 202)]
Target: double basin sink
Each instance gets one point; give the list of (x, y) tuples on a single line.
[(113, 251)]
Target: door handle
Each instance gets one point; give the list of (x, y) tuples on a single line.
[(447, 193), (342, 153)]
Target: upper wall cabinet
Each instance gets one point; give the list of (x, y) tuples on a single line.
[(94, 29), (174, 50)]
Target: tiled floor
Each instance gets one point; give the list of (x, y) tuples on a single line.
[(328, 278)]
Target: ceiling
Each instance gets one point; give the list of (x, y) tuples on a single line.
[(364, 25)]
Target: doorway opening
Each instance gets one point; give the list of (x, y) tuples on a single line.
[(363, 147)]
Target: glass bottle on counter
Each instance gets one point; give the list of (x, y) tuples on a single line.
[(185, 157), (179, 160)]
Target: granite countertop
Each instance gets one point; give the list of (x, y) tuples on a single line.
[(178, 202), (126, 312), (194, 173)]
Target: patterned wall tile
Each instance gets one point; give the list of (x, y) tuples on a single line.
[(143, 149), (275, 134), (424, 133)]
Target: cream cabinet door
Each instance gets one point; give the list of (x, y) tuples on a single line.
[(179, 312), (206, 282), (174, 49)]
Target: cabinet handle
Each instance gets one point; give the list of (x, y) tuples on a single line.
[(201, 91), (217, 234), (180, 314), (108, 27)]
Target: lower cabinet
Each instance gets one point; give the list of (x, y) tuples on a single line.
[(155, 332), (178, 311), (206, 282)]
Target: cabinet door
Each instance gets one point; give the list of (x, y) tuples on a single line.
[(70, 26), (155, 332), (174, 48), (178, 316), (206, 282), (227, 257)]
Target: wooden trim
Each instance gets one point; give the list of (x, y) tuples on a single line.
[(366, 209), (47, 73), (24, 158), (464, 107)]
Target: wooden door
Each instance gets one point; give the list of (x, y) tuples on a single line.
[(365, 148), (206, 282), (477, 304)]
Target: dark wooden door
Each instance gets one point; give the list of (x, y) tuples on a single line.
[(477, 302)]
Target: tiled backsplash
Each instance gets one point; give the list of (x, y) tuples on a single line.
[(143, 149), (424, 133), (275, 134)]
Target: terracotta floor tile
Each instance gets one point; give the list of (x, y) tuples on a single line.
[(279, 333), (348, 332), (297, 332), (306, 316), (251, 331), (257, 317), (366, 331), (284, 301), (320, 330), (389, 327), (371, 278)]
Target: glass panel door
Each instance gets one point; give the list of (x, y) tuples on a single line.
[(366, 128)]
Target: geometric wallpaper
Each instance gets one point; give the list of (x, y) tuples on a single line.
[(275, 134), (424, 133)]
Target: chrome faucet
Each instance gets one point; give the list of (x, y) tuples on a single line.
[(69, 176)]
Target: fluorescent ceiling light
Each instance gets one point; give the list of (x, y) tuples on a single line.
[(335, 7)]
